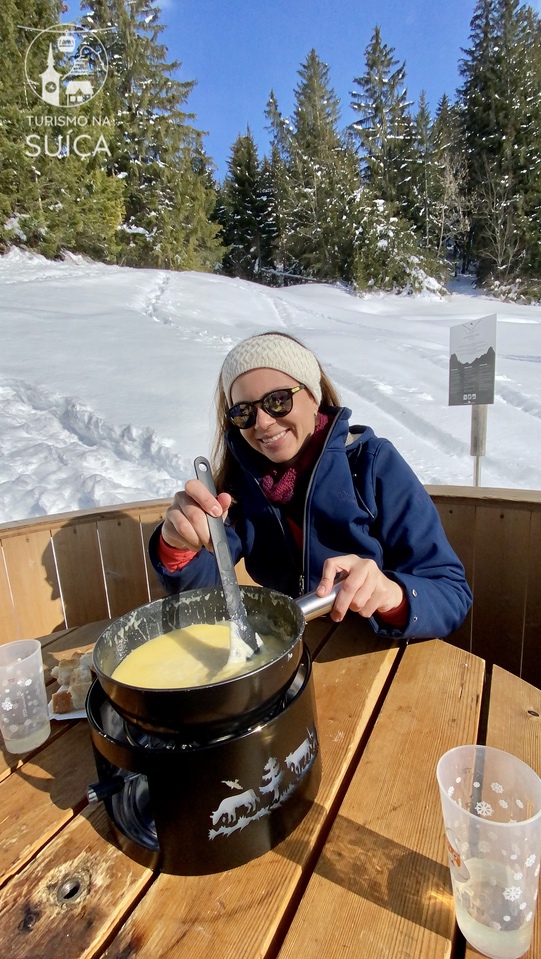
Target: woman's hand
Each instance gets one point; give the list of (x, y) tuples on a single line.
[(186, 525), (365, 590)]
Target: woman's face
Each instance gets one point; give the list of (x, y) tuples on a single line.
[(280, 440)]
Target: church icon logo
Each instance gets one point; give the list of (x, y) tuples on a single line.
[(66, 65)]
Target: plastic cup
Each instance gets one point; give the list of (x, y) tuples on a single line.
[(24, 719), (491, 804)]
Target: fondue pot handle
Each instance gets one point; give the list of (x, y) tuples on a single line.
[(312, 605)]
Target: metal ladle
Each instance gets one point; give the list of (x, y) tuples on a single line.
[(244, 640)]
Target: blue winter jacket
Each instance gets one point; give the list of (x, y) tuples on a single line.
[(362, 498)]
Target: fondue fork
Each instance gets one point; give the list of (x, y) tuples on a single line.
[(244, 641)]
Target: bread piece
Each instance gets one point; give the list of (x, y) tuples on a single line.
[(61, 701), (62, 672), (74, 678), (78, 693), (81, 674)]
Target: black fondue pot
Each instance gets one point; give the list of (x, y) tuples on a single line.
[(199, 780), (187, 712)]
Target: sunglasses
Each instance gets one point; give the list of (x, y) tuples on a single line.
[(277, 403)]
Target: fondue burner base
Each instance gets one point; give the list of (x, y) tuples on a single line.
[(199, 808)]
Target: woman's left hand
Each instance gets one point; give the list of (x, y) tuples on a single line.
[(365, 589)]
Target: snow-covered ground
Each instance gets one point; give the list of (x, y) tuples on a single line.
[(107, 377)]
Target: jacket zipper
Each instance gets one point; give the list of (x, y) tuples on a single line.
[(303, 576), (305, 568), (276, 516)]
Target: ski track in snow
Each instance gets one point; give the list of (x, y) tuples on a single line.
[(160, 312), (155, 295), (57, 437)]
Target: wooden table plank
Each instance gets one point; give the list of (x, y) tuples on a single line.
[(35, 922), (514, 724), (42, 795), (238, 913), (514, 719), (9, 762), (381, 886)]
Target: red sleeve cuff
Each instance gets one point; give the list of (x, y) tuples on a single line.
[(173, 559), (396, 617)]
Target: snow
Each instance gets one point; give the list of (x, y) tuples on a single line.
[(107, 377)]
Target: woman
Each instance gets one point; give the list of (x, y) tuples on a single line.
[(305, 497)]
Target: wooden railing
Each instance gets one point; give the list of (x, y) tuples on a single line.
[(62, 571), (497, 534)]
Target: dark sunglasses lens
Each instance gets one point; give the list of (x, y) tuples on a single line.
[(242, 415), (278, 403)]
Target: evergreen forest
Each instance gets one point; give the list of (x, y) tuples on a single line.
[(397, 195)]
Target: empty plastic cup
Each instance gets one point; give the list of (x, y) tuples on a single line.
[(24, 719)]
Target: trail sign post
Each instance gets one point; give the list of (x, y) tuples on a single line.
[(472, 372)]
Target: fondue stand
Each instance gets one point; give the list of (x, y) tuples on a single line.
[(364, 873), (196, 807)]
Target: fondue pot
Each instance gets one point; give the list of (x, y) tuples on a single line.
[(184, 711), (201, 779)]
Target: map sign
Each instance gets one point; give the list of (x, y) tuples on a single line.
[(472, 365)]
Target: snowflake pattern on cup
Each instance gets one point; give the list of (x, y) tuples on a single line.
[(509, 863)]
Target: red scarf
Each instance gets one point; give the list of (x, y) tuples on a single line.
[(283, 483)]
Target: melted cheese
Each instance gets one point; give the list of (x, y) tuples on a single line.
[(192, 656)]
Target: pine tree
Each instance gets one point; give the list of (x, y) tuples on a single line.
[(387, 252), (281, 192), (500, 104), (423, 175), (168, 195), (55, 199), (276, 189), (248, 229), (383, 125), (21, 221), (317, 180), (451, 202)]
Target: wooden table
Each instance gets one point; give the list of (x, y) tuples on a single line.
[(364, 875)]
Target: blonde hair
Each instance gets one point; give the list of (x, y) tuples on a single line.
[(222, 458)]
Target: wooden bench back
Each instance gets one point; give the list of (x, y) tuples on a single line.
[(62, 571), (497, 534)]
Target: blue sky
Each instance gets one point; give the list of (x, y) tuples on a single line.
[(239, 50)]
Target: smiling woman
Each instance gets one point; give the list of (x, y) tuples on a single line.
[(306, 497)]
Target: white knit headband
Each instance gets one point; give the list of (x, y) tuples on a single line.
[(275, 352)]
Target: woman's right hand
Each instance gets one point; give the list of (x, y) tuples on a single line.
[(185, 525)]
